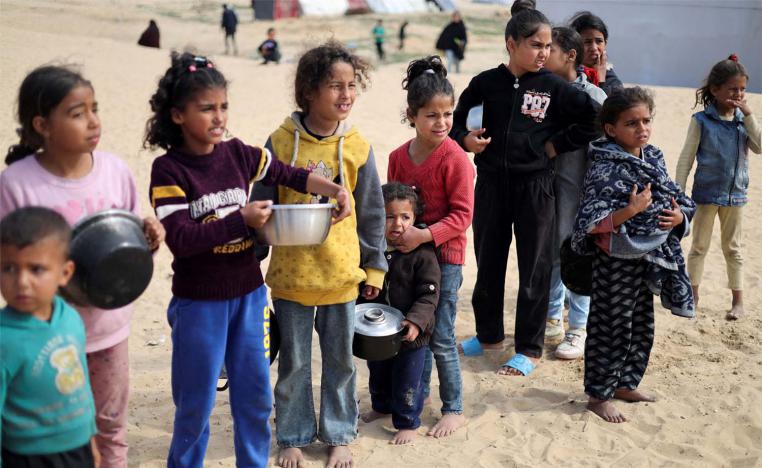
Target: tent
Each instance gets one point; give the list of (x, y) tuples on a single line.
[(357, 7), (323, 7), (396, 6), (275, 9)]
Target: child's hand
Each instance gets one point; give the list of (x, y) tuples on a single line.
[(474, 142), (96, 453), (640, 201), (671, 218), (740, 104), (600, 66), (345, 206), (154, 232), (550, 150), (412, 331), (255, 214), (412, 238), (370, 292)]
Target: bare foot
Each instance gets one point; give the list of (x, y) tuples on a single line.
[(404, 436), (506, 370), (736, 312), (446, 426), (632, 396), (372, 415), (486, 347), (291, 457), (339, 456), (606, 410)]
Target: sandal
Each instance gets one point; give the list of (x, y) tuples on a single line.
[(472, 347), (520, 363)]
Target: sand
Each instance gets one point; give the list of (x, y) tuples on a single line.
[(707, 373)]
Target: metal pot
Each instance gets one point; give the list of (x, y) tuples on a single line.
[(306, 224), (378, 332), (113, 261), (274, 336)]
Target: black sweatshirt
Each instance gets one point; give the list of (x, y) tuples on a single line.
[(520, 120)]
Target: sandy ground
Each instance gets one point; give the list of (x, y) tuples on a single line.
[(706, 372)]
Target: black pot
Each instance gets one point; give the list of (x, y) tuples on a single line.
[(274, 336), (113, 262), (576, 270), (378, 332)]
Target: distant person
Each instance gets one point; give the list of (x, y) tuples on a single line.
[(435, 3), (378, 36), (150, 37), (403, 34), (595, 37), (229, 24), (269, 48), (521, 5), (452, 41), (253, 10)]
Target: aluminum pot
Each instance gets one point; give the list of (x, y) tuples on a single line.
[(378, 332), (113, 261), (304, 224)]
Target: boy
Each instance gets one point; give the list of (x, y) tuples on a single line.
[(48, 414), (269, 48)]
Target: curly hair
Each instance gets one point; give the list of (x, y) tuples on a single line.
[(424, 79), (314, 68), (620, 101), (398, 191), (720, 73), (187, 75)]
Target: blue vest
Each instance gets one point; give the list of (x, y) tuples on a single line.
[(722, 171)]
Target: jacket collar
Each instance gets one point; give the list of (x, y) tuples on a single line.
[(711, 111)]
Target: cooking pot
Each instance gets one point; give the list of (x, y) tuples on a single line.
[(274, 336), (378, 332), (305, 224), (113, 261)]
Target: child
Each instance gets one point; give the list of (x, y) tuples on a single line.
[(316, 286), (441, 170), (218, 312), (564, 60), (269, 48), (379, 33), (55, 165), (631, 218), (48, 416), (595, 38), (412, 286), (719, 137), (529, 116)]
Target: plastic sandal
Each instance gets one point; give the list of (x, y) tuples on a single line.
[(472, 347), (521, 363)]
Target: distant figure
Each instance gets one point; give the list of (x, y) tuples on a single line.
[(253, 10), (453, 42), (150, 37), (269, 48), (521, 5), (402, 35), (229, 24), (378, 36), (435, 3)]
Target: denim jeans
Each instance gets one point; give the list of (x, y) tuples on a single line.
[(579, 306), (443, 345), (395, 387), (295, 423), (453, 62)]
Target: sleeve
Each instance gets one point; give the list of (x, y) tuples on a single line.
[(426, 282), (470, 97), (260, 191), (612, 82), (369, 206), (576, 111), (602, 233), (459, 184), (755, 133), (185, 237), (688, 153), (270, 171)]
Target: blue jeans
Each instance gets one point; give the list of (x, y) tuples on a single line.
[(453, 62), (579, 306), (206, 335), (396, 388), (443, 345), (295, 423)]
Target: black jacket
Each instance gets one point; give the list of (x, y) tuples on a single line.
[(447, 39), (520, 120)]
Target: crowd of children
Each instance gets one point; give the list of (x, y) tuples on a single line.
[(563, 155)]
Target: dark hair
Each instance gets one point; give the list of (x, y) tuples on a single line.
[(425, 79), (720, 73), (584, 20), (27, 226), (621, 100), (569, 39), (525, 24), (270, 30), (188, 75), (41, 91), (398, 191), (314, 67), (521, 5)]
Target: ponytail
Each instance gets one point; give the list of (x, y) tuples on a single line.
[(425, 78), (720, 73)]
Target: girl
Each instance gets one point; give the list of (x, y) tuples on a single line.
[(631, 218), (595, 38), (529, 116), (55, 165), (440, 168), (218, 312), (316, 287), (412, 286), (720, 137)]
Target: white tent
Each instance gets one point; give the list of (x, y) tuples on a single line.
[(323, 7), (396, 6)]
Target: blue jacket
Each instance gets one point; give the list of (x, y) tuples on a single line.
[(722, 172)]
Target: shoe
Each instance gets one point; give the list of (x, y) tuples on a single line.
[(573, 346), (554, 329)]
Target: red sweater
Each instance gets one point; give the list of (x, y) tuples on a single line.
[(446, 180)]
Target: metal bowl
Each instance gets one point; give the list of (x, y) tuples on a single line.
[(306, 224)]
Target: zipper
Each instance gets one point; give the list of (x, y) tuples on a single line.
[(510, 121)]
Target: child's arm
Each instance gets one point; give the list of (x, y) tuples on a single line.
[(688, 153), (754, 131), (426, 283), (369, 206), (576, 112)]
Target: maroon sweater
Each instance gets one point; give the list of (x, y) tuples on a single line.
[(198, 200)]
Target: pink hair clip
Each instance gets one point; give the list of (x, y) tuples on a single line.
[(733, 57), (192, 68)]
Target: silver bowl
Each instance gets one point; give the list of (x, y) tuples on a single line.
[(306, 224)]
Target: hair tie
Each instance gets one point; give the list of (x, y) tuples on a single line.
[(201, 62), (430, 70), (733, 57)]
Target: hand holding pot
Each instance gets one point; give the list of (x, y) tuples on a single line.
[(412, 331), (370, 292), (154, 231), (344, 208), (256, 213)]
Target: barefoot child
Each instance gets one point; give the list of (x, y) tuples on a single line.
[(218, 313), (719, 139), (631, 218), (48, 416), (441, 170), (412, 286), (55, 165), (530, 115), (315, 287)]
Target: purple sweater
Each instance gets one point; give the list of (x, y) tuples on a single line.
[(198, 200)]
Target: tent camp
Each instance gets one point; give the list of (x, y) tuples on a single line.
[(323, 7), (275, 9), (396, 6)]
